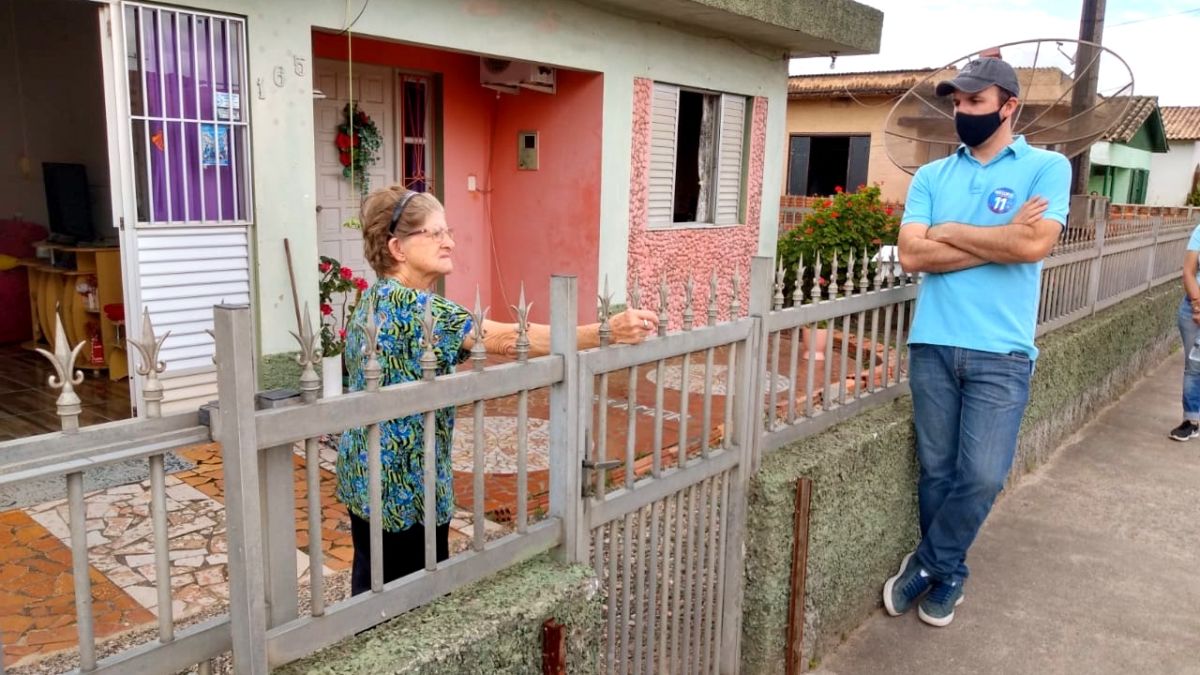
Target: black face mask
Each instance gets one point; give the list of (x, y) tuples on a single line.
[(973, 130)]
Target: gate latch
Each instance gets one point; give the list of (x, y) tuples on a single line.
[(589, 489)]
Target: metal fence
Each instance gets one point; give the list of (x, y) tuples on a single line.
[(650, 451)]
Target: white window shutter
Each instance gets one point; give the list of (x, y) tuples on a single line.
[(729, 160), (664, 129)]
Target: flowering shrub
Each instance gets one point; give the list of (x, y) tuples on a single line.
[(337, 285), (842, 223)]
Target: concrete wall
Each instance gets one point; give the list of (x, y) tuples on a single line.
[(564, 34), (547, 221), (845, 116), (493, 626), (58, 106), (1171, 174), (864, 516)]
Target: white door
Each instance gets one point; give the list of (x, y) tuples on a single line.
[(337, 198)]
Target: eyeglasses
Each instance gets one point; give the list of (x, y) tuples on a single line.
[(439, 234)]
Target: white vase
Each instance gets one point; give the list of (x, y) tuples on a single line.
[(331, 376)]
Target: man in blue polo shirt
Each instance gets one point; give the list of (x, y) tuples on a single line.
[(977, 224)]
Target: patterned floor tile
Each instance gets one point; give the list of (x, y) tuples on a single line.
[(120, 534), (37, 594)]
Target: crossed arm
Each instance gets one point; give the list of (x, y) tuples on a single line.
[(949, 247)]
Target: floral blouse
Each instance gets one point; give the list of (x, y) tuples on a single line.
[(398, 312)]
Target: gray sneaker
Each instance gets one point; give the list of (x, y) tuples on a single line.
[(937, 609), (902, 590)]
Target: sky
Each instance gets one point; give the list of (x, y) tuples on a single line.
[(1159, 39)]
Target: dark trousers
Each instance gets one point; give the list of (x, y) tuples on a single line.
[(403, 552)]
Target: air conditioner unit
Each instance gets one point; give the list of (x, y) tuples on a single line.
[(508, 76)]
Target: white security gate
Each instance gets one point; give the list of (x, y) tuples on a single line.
[(182, 137), (665, 525)]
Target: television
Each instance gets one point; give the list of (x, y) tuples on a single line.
[(68, 204)]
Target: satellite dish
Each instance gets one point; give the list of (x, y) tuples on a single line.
[(920, 126)]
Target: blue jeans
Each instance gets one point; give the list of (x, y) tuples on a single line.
[(1191, 373), (967, 409)]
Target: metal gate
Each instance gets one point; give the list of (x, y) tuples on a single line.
[(667, 440)]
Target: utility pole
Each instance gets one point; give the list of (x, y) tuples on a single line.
[(1087, 72)]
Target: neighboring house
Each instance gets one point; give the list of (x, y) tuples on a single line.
[(604, 139), (1176, 174), (1121, 159), (836, 132)]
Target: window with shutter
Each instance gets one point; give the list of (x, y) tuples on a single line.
[(664, 122), (729, 160), (696, 157)]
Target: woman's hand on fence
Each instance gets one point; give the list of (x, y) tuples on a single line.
[(633, 326)]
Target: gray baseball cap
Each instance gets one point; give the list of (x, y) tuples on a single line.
[(980, 74)]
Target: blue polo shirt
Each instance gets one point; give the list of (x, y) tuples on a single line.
[(993, 307)]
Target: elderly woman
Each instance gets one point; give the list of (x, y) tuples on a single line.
[(407, 242)]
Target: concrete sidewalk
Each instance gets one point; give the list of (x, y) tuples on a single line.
[(1092, 565)]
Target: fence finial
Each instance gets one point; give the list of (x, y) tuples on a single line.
[(664, 315), (848, 287), (605, 314), (149, 348), (372, 370), (863, 283), (798, 291), (65, 376), (816, 287), (712, 299), (735, 293), (310, 351), (778, 298), (428, 324), (833, 275), (689, 289), (522, 309), (478, 351), (635, 293)]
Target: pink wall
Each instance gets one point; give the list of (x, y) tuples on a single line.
[(548, 221), (542, 222), (466, 135), (678, 253)]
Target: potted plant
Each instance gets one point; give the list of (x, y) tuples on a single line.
[(338, 286), (845, 222)]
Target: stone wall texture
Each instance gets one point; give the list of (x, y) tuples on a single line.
[(682, 252), (493, 626)]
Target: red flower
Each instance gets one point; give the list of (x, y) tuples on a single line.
[(326, 309), (325, 267), (347, 273), (342, 333), (822, 281), (361, 284), (808, 230), (343, 141), (828, 203), (838, 189), (344, 158), (862, 185), (835, 214), (889, 210)]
